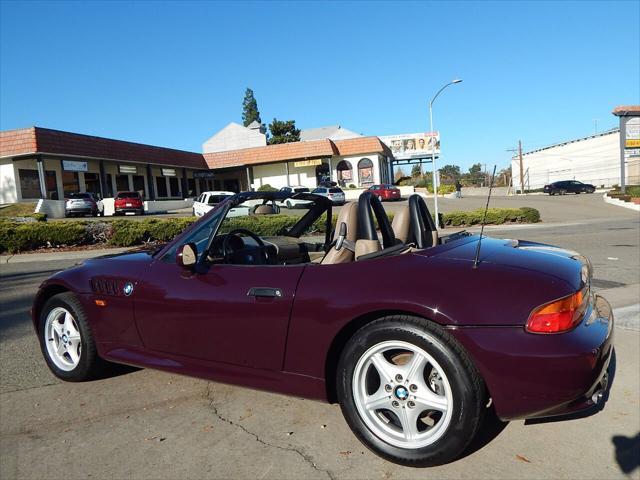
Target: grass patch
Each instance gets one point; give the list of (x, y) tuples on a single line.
[(18, 210)]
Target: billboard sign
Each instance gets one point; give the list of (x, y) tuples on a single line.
[(412, 145)]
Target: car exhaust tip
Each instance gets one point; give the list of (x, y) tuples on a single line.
[(597, 396)]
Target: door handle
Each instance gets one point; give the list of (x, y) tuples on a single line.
[(264, 292)]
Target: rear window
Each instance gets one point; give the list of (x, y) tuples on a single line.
[(301, 190), (215, 199), (388, 186), (335, 190), (128, 195), (320, 190), (79, 195)]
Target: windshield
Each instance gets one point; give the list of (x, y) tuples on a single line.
[(127, 195)]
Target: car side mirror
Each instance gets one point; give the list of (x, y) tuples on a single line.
[(187, 255)]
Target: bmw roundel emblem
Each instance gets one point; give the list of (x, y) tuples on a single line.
[(128, 288)]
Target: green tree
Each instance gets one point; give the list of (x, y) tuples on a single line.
[(250, 111), (283, 131), (416, 170), (475, 174), (449, 173)]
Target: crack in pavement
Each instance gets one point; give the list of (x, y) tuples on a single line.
[(290, 448)]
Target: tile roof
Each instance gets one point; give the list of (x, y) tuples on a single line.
[(44, 140), (295, 151), (624, 110)]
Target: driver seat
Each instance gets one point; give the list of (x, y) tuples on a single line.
[(349, 217)]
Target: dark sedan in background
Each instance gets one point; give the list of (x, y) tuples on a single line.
[(568, 186)]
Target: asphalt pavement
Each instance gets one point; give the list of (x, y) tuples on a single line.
[(147, 424)]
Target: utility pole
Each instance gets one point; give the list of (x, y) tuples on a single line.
[(521, 167)]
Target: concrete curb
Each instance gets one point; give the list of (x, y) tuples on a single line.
[(53, 256), (620, 203)]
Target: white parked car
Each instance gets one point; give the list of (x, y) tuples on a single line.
[(207, 200), (292, 202)]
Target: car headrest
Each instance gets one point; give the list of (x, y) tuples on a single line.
[(368, 206), (401, 224), (422, 226)]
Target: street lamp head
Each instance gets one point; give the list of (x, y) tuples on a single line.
[(456, 80)]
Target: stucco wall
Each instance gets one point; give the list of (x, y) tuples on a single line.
[(234, 137), (594, 160), (8, 192)]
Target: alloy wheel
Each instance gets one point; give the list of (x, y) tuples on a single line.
[(62, 338), (402, 394)]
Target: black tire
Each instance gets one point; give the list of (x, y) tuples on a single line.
[(90, 364), (289, 206), (467, 389)]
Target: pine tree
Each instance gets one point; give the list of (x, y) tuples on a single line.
[(250, 112), (283, 131)]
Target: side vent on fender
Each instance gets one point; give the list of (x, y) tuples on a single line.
[(106, 286)]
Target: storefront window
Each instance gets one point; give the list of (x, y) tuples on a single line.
[(174, 186), (161, 187), (122, 183), (323, 173), (345, 174), (29, 183), (92, 182), (51, 184), (138, 185), (365, 172), (109, 192), (191, 187), (70, 183)]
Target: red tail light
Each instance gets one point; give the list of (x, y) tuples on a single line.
[(559, 315)]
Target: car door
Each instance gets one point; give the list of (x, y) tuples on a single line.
[(233, 314)]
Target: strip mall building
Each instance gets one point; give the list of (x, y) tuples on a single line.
[(50, 164)]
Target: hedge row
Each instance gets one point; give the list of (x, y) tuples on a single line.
[(20, 237)]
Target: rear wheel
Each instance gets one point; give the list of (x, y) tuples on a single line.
[(66, 340), (289, 206), (409, 391)]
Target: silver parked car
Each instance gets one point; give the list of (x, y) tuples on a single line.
[(85, 203), (335, 194)]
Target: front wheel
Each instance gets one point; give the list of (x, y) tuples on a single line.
[(289, 205), (66, 340), (409, 391)]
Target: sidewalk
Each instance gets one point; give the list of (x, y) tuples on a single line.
[(56, 256)]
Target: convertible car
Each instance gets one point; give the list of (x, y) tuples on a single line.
[(416, 335)]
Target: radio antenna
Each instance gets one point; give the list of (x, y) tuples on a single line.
[(484, 219)]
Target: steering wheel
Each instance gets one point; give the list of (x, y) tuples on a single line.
[(227, 254)]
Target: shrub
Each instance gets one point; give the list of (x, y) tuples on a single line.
[(352, 186), (18, 237), (495, 216), (126, 233), (267, 188)]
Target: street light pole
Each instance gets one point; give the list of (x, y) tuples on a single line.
[(433, 149)]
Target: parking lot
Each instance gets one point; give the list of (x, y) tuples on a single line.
[(147, 424)]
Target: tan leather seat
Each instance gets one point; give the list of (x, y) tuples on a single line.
[(349, 216), (401, 223), (264, 210)]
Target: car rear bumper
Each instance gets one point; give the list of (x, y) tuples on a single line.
[(128, 209), (81, 210), (532, 375)]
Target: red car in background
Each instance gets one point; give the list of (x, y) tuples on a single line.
[(128, 202), (386, 191)]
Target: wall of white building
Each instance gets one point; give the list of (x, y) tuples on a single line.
[(234, 137), (275, 174), (594, 160), (8, 193)]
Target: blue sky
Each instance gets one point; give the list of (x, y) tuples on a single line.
[(173, 73)]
